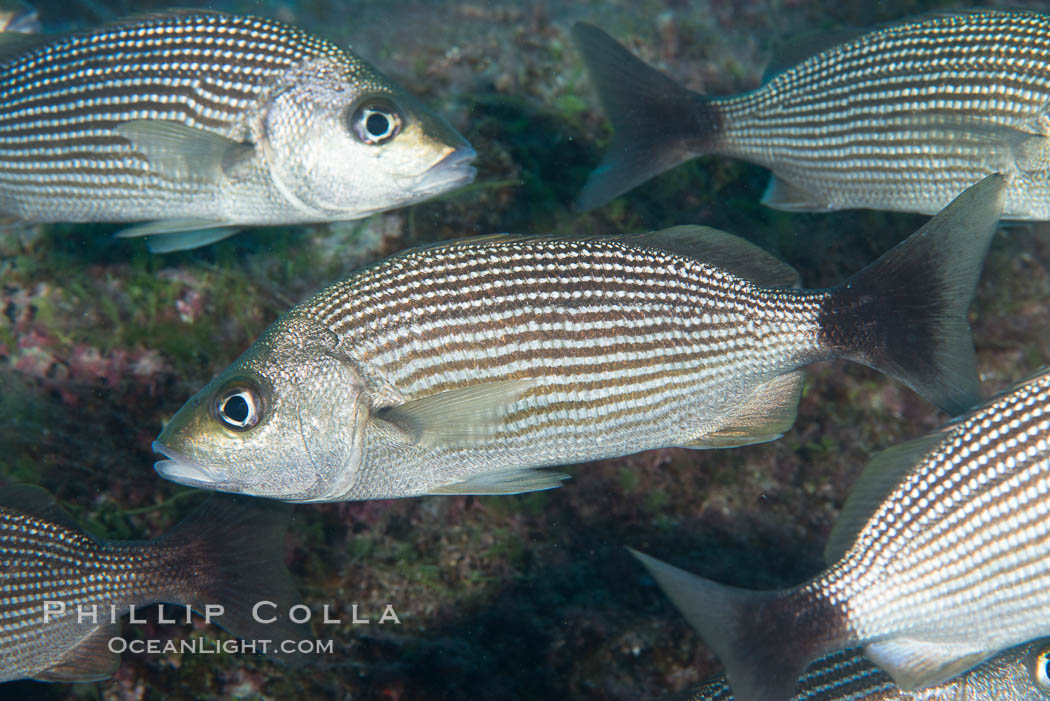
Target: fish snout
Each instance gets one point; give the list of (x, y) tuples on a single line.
[(181, 469), (452, 171)]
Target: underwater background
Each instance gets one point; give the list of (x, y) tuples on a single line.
[(519, 597)]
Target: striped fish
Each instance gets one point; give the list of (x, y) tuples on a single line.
[(460, 368), (206, 122), (62, 592), (1019, 674), (903, 118), (941, 559)]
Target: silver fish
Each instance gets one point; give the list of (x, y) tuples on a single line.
[(206, 123), (228, 553), (1018, 674), (941, 559), (903, 118), (459, 368)]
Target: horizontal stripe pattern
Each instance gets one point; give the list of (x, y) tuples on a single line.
[(60, 159), (849, 676), (624, 345), (908, 116), (969, 523), (42, 561)]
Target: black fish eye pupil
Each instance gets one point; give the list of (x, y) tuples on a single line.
[(236, 408), (377, 124)]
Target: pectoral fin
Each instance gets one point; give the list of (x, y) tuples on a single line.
[(763, 416), (90, 660), (510, 482), (181, 152), (916, 663), (458, 417)]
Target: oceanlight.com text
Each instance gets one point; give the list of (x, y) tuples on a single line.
[(200, 646)]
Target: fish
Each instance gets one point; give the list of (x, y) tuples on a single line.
[(465, 367), (201, 123), (19, 16), (1018, 674), (941, 558), (58, 584), (902, 118)]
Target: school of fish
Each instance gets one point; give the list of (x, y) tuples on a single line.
[(472, 366)]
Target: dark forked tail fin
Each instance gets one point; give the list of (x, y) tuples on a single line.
[(658, 123), (905, 314), (765, 639), (231, 553)]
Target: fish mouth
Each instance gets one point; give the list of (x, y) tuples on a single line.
[(183, 470), (179, 468), (452, 171)]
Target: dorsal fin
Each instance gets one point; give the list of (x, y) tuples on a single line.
[(721, 249), (711, 246), (809, 44), (13, 44), (36, 501), (881, 476)]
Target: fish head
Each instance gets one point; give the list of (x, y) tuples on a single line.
[(286, 420), (343, 145), (1020, 673)]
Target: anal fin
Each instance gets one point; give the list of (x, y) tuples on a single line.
[(169, 235), (765, 415), (169, 243), (917, 663), (781, 194), (89, 660)]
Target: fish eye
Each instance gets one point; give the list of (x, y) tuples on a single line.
[(375, 122), (238, 408), (1041, 669)]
